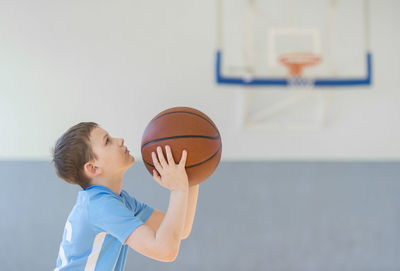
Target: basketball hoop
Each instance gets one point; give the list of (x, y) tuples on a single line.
[(297, 61)]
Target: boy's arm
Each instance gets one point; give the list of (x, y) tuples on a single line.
[(163, 244), (157, 216), (191, 210)]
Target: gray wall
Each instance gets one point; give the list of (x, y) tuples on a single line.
[(251, 216)]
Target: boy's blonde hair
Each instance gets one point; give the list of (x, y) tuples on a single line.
[(72, 150)]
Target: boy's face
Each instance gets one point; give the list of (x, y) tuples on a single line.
[(113, 157)]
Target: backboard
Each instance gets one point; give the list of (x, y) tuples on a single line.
[(254, 34)]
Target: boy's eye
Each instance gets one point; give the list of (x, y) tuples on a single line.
[(107, 140)]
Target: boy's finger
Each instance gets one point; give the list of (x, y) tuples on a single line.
[(155, 162), (170, 157), (182, 163), (160, 154)]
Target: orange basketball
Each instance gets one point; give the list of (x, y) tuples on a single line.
[(184, 128)]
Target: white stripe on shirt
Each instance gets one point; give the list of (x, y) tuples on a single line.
[(61, 253), (68, 227), (96, 248)]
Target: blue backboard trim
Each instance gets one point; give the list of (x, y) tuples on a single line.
[(318, 82)]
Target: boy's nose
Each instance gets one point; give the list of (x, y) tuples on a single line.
[(122, 141)]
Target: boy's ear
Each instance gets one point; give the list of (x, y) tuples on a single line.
[(91, 169)]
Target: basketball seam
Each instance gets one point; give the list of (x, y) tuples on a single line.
[(187, 113), (182, 136), (202, 162)]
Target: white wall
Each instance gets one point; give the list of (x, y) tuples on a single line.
[(119, 63)]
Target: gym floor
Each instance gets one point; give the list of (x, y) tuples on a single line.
[(250, 216)]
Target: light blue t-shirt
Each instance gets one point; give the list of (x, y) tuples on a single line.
[(97, 228)]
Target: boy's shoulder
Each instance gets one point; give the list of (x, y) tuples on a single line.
[(98, 191), (96, 195), (101, 195)]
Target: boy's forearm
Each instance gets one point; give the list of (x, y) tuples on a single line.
[(191, 210), (171, 229)]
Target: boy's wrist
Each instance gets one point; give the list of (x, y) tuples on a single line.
[(181, 189)]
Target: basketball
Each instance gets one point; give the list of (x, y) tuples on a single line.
[(184, 128)]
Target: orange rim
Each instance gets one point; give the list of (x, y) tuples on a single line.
[(297, 61)]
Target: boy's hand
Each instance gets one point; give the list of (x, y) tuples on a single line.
[(170, 175)]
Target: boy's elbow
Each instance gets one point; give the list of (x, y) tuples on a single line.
[(171, 255), (170, 252), (185, 235), (172, 259)]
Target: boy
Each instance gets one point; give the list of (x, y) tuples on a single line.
[(106, 219)]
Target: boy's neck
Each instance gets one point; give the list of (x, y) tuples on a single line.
[(116, 188)]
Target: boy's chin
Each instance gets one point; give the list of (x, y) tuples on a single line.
[(132, 161)]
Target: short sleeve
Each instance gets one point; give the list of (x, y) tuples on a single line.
[(140, 209), (111, 215)]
